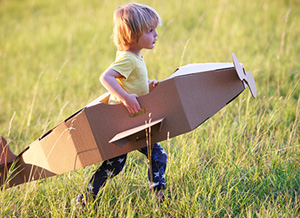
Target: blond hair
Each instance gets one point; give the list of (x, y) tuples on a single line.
[(130, 20)]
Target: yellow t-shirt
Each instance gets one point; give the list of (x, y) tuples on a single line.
[(134, 71)]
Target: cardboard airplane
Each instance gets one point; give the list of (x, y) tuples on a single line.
[(100, 131)]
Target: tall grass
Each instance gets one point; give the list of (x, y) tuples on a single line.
[(244, 161)]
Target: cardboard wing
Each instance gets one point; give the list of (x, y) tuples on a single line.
[(100, 131)]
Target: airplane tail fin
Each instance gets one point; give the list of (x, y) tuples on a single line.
[(6, 155), (6, 159)]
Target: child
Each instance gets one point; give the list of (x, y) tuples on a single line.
[(126, 79)]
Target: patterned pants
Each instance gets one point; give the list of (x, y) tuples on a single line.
[(112, 167)]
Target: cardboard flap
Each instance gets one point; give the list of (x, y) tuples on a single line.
[(199, 68), (102, 99), (122, 138)]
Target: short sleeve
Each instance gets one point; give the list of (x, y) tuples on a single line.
[(123, 65)]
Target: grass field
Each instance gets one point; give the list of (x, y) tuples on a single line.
[(243, 162)]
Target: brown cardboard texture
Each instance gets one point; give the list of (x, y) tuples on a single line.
[(100, 131)]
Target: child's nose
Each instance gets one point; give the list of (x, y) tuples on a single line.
[(155, 33)]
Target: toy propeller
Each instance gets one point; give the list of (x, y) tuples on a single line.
[(246, 77)]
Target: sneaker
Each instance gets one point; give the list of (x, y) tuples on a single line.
[(159, 195), (81, 200)]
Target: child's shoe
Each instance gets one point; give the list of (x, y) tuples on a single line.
[(81, 200), (159, 195)]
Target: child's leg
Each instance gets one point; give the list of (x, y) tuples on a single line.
[(156, 175), (109, 169)]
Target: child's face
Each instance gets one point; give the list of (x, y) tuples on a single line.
[(148, 38)]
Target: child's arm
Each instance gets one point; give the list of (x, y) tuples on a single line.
[(108, 79)]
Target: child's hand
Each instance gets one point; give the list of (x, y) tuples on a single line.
[(153, 83), (131, 103)]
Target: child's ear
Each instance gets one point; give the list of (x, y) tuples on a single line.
[(135, 38)]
